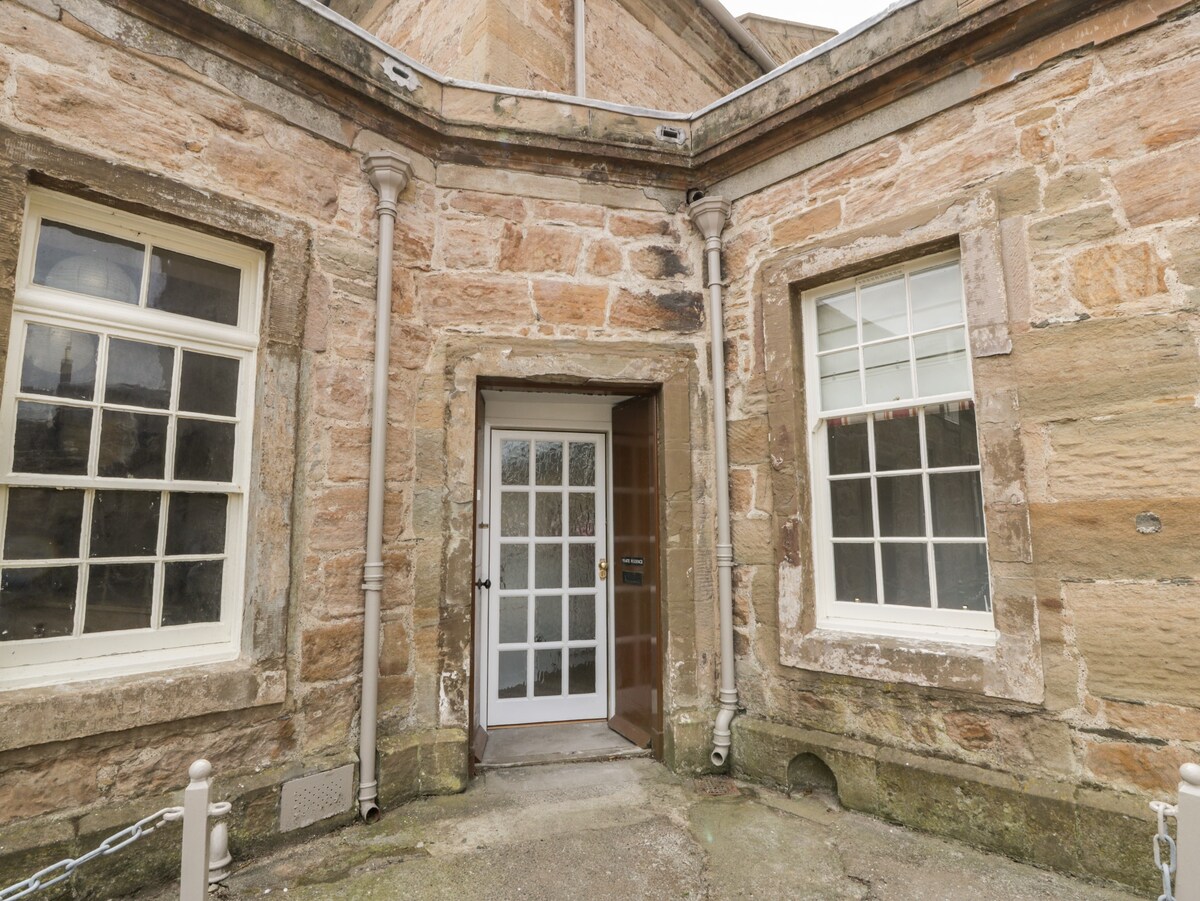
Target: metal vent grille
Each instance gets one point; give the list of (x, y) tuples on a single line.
[(311, 798), (716, 786)]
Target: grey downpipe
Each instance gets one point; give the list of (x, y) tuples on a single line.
[(580, 49), (709, 215), (738, 32), (389, 174)]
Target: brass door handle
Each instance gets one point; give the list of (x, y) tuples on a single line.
[(603, 570)]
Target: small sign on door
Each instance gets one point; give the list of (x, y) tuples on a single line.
[(633, 561)]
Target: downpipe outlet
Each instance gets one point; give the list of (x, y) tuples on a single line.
[(709, 215)]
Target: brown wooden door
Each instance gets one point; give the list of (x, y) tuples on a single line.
[(636, 617)]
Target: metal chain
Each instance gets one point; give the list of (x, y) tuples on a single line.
[(62, 870), (1162, 839)]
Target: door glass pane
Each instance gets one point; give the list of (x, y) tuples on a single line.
[(850, 501), (208, 384), (549, 467), (204, 450), (581, 614), (848, 447), (884, 310), (582, 564), (511, 681), (514, 566), (132, 445), (548, 566), (837, 321), (854, 573), (514, 514), (950, 436), (840, 385), (547, 620), (119, 596), (38, 602), (87, 262), (59, 362), (514, 462), (196, 523), (192, 592), (936, 297), (51, 439), (898, 440), (956, 504), (193, 287), (889, 375), (905, 575), (942, 363), (125, 523), (514, 626), (901, 507), (582, 516), (547, 673), (962, 577), (583, 464), (139, 374), (582, 678), (43, 523), (548, 514)]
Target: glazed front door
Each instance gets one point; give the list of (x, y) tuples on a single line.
[(547, 605)]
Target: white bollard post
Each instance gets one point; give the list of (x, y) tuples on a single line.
[(193, 864), (1187, 834)]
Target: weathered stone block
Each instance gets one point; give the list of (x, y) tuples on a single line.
[(1104, 277), (540, 249), (448, 299), (570, 303), (1076, 227), (680, 311), (331, 652)]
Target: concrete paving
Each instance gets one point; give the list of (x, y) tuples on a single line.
[(561, 742), (630, 829)]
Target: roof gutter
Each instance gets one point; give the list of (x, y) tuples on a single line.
[(738, 32)]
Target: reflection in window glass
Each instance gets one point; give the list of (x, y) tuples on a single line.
[(119, 596), (59, 362), (196, 523), (87, 262), (51, 439), (204, 450), (132, 445), (125, 523), (190, 286), (139, 374), (208, 384), (43, 523), (192, 592), (37, 602)]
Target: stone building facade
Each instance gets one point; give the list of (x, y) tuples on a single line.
[(1045, 150)]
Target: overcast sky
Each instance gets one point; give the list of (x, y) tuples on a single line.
[(839, 14)]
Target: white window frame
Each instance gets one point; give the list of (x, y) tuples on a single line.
[(92, 655), (955, 626)]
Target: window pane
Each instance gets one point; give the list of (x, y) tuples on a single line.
[(854, 573), (582, 564), (840, 384), (950, 436), (132, 445), (936, 297), (51, 439), (583, 464), (942, 363), (196, 523), (192, 592), (549, 468), (848, 448), (547, 673), (204, 450), (897, 440), (139, 375), (901, 507), (582, 517), (125, 523), (548, 514), (87, 262), (547, 620), (512, 677), (548, 566), (889, 373), (514, 566), (905, 575), (850, 502), (581, 622), (119, 596), (582, 678), (837, 321), (59, 362), (514, 462), (962, 577), (884, 310), (956, 504), (208, 384), (193, 287), (514, 625), (43, 523), (514, 514), (38, 602)]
